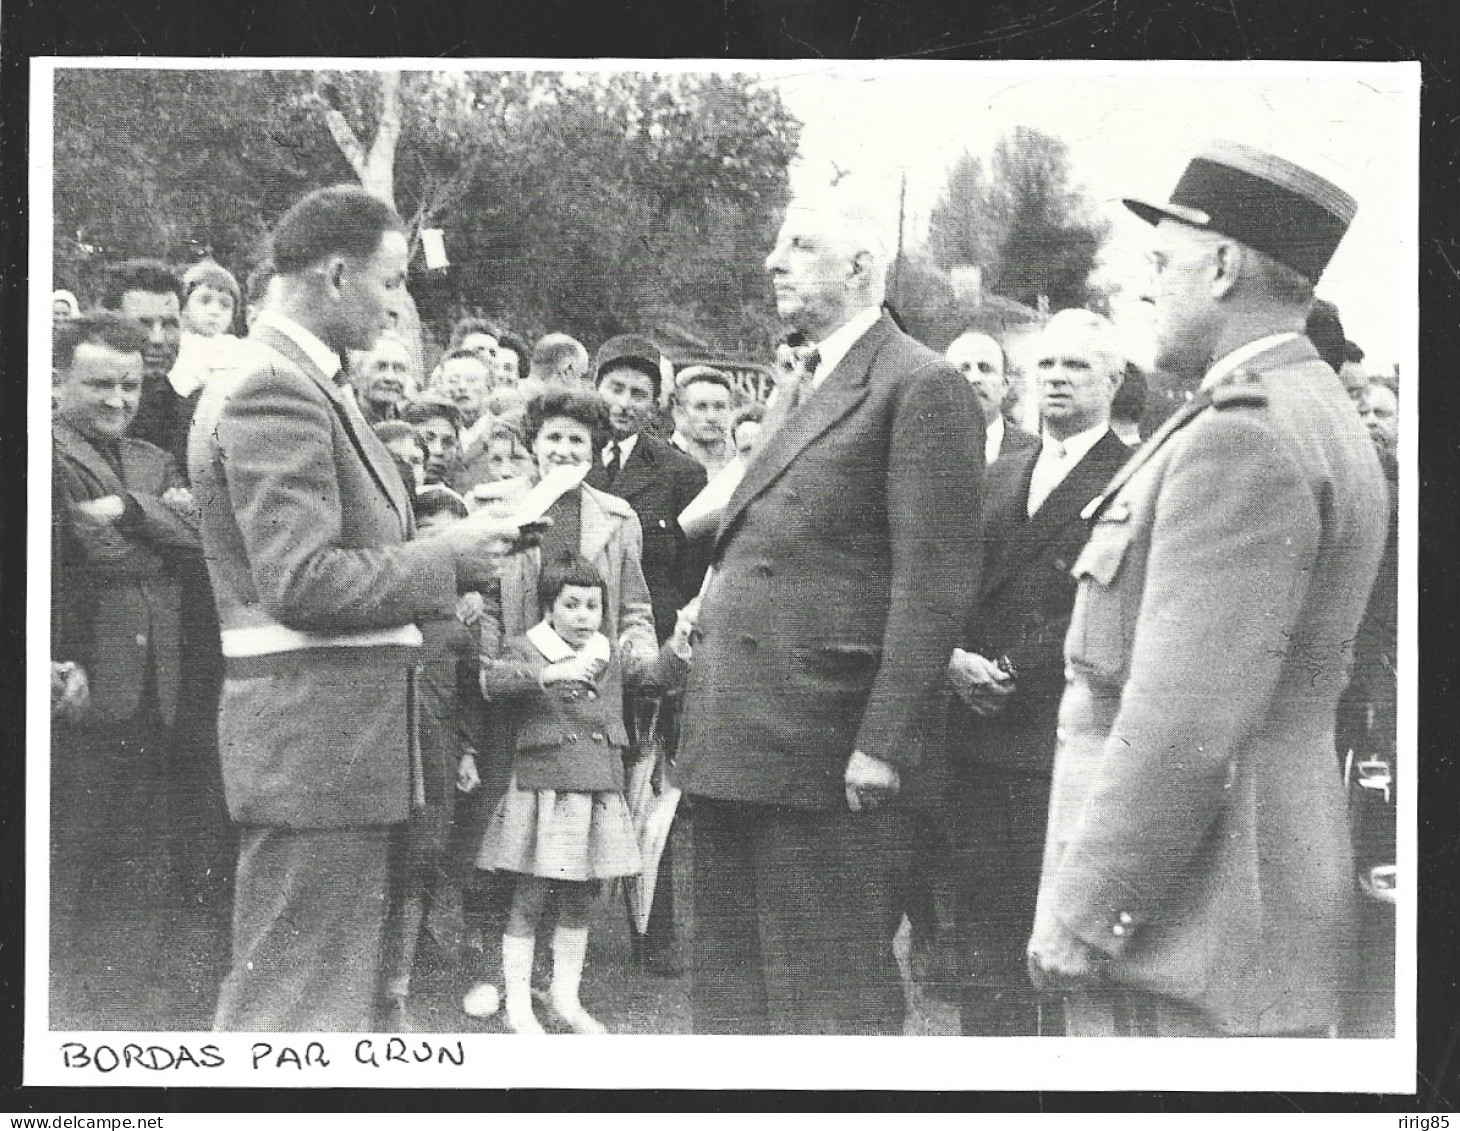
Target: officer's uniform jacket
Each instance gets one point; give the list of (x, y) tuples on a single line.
[(1197, 829)]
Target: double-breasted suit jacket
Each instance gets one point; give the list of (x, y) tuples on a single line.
[(1197, 832), (307, 529), (659, 481), (843, 565)]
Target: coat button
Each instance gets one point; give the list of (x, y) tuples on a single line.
[(764, 569), (597, 736), (591, 695), (1117, 930), (1125, 917), (141, 640), (570, 738)]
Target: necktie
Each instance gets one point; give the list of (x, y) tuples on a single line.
[(615, 462), (1049, 472), (809, 358)]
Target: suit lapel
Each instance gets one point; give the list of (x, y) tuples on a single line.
[(637, 471), (1007, 487), (844, 389), (370, 450), (1062, 507), (595, 525)]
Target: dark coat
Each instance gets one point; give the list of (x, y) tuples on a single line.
[(117, 581), (1024, 603), (843, 566), (659, 481), (567, 736), (1198, 832), (1016, 440)]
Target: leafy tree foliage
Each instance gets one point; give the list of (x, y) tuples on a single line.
[(1022, 221), (583, 203)]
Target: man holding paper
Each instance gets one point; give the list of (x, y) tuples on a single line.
[(308, 534), (842, 573)]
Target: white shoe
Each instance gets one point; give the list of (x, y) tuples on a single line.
[(524, 1021), (578, 1019), (482, 1000)]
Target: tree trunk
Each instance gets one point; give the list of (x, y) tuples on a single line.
[(376, 169)]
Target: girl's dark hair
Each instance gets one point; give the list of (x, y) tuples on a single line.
[(588, 409), (568, 569)]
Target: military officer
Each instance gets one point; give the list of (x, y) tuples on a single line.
[(1197, 877)]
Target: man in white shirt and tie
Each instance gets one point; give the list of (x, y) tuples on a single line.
[(1009, 671)]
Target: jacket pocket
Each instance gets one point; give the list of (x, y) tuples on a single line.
[(1103, 554), (1096, 638)]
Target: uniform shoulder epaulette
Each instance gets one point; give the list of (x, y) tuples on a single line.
[(1242, 388)]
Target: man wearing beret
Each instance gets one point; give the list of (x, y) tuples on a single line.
[(1197, 874)]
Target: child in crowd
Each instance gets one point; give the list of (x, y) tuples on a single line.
[(563, 823), (210, 298), (501, 455), (448, 722)]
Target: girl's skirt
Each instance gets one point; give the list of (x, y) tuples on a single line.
[(561, 835)]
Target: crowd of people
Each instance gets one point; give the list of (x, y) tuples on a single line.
[(355, 654)]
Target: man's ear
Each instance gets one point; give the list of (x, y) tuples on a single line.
[(1227, 268), (862, 263), (334, 272)]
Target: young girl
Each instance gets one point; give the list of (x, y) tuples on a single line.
[(563, 823), (210, 299)]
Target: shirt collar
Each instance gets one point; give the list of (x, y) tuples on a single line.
[(625, 447), (1232, 361), (993, 439), (839, 342), (324, 358), (555, 649), (1078, 446)]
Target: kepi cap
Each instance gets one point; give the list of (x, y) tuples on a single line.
[(1263, 200)]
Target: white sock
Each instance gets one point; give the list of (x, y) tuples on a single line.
[(570, 947), (517, 981)]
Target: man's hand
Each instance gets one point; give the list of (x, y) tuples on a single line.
[(869, 781), (467, 778), (101, 511), (479, 542), (70, 691), (470, 608), (1060, 961), (981, 684), (685, 626), (179, 500)]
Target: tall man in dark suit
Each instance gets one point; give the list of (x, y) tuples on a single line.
[(658, 481), (654, 477), (1197, 875), (150, 293), (309, 538), (813, 718), (1009, 671), (126, 521)]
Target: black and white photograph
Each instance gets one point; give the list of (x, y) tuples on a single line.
[(899, 550)]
